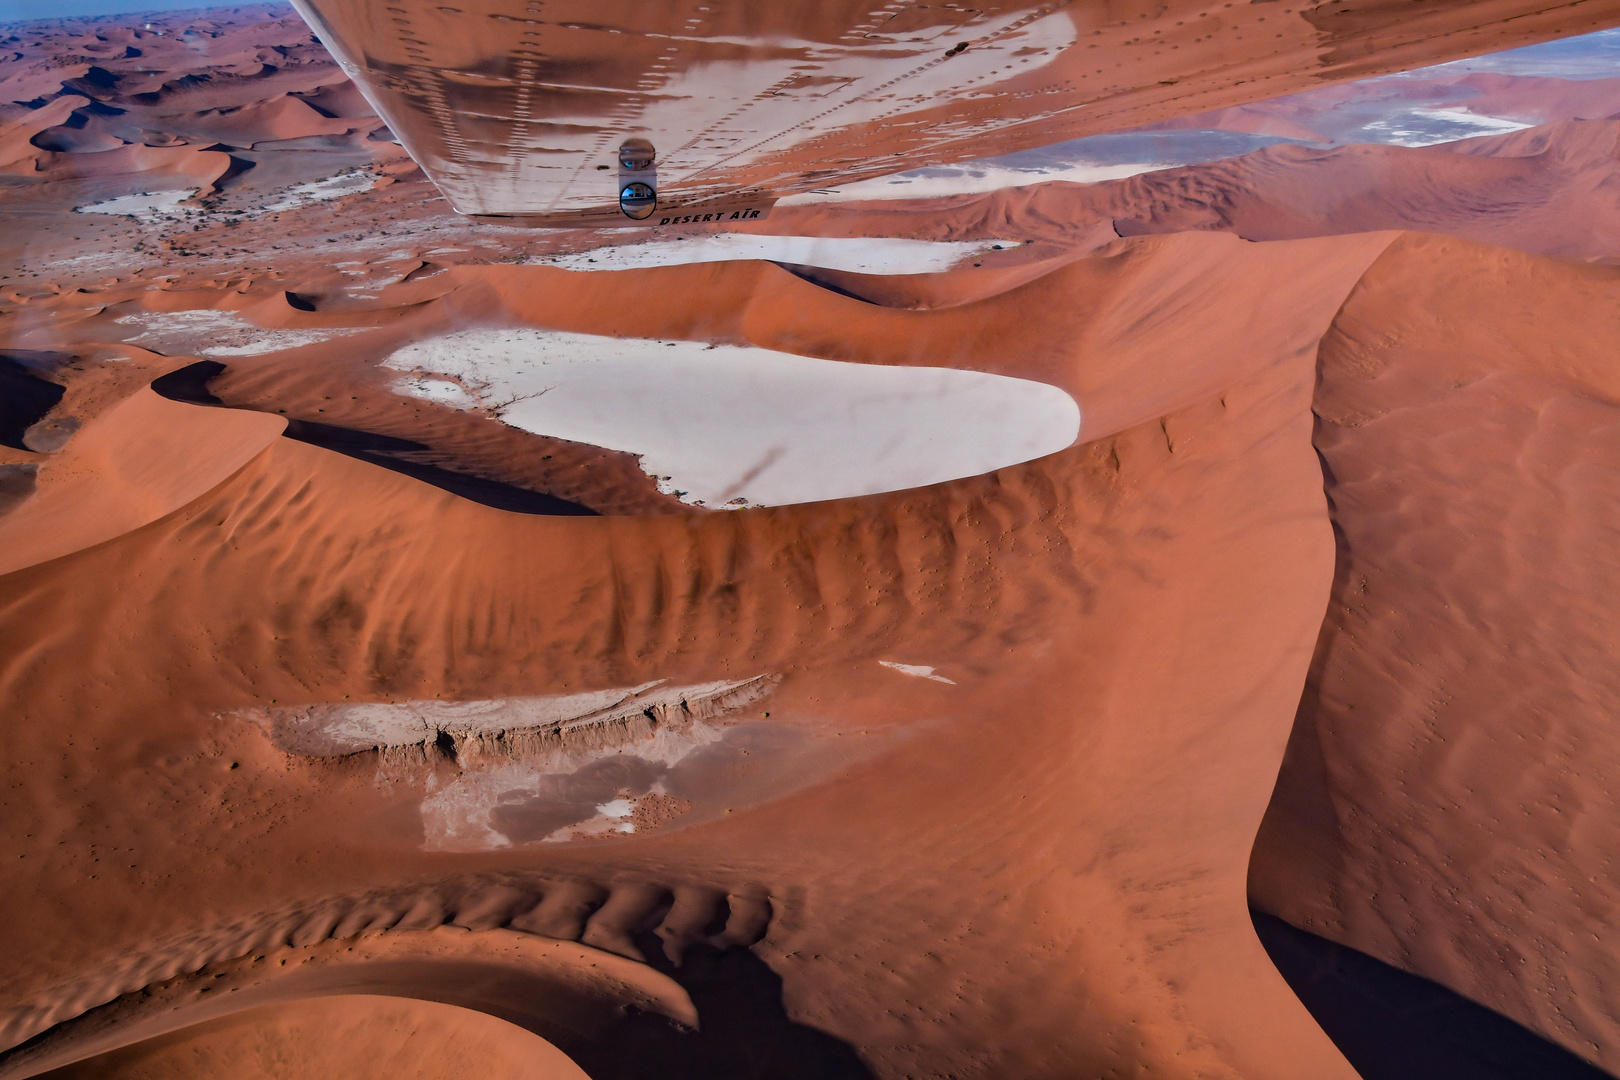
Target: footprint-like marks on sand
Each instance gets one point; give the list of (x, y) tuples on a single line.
[(615, 974)]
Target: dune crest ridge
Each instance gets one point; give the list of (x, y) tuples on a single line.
[(1441, 806)]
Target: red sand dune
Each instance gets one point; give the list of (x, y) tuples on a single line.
[(137, 462), (1546, 190), (1042, 868), (342, 1035), (281, 117), (1444, 804), (389, 579)]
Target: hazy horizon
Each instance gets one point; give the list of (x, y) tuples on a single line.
[(17, 11)]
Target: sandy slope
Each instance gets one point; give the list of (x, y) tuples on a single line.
[(139, 461), (1114, 618), (341, 1035), (1446, 803), (1547, 190)]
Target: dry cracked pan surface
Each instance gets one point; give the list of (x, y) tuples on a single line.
[(351, 732)]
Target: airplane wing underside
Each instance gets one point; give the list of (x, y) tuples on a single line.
[(518, 109)]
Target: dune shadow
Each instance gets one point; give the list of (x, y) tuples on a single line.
[(190, 385), (25, 398), (745, 1031), (16, 485), (815, 275), (380, 450), (1393, 1025)]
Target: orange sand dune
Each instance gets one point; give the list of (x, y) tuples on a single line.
[(1444, 803), (158, 168), (993, 811), (1545, 190), (279, 117), (497, 988), (138, 462), (16, 135), (1066, 613)]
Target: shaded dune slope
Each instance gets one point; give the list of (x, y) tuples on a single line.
[(190, 384), (1393, 1025)]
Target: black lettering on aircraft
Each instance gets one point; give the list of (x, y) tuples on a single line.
[(744, 214)]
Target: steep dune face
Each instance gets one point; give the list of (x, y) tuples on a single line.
[(1445, 801), (140, 461), (1124, 627)]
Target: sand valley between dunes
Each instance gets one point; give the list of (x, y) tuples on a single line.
[(1159, 625)]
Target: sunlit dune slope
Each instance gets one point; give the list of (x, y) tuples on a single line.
[(1445, 801), (141, 460)]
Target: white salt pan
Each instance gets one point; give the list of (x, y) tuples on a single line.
[(856, 254), (208, 332), (331, 187), (729, 426), (147, 206), (972, 179)]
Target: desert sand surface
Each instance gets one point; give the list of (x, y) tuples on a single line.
[(360, 720), (342, 1035), (1489, 671)]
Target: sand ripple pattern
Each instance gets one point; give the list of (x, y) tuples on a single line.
[(611, 917)]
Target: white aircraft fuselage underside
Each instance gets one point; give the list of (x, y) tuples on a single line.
[(517, 108)]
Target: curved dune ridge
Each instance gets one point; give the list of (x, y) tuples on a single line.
[(855, 254), (526, 994), (339, 1035), (136, 463), (409, 942), (416, 740), (1455, 725)]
